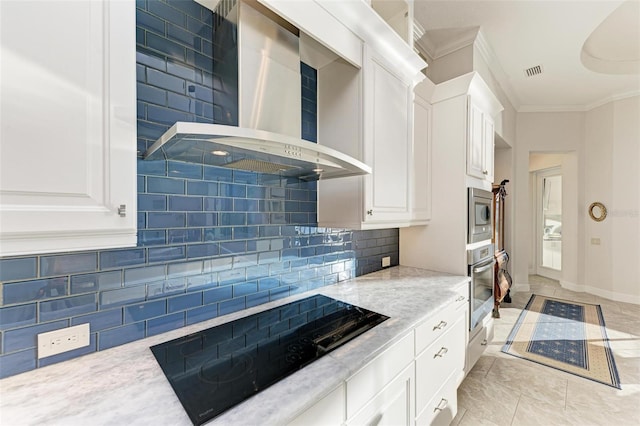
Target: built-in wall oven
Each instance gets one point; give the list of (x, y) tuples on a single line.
[(480, 215), (481, 270)]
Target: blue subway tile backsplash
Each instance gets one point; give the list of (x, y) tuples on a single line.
[(18, 269), (211, 240)]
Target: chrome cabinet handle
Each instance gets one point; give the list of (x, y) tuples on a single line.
[(460, 298), (484, 342), (485, 172), (370, 212), (440, 326), (441, 352), (441, 405)]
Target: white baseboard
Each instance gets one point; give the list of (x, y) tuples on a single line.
[(611, 295)]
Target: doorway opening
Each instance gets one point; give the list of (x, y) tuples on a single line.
[(548, 222)]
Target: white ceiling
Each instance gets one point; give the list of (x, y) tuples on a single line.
[(551, 33)]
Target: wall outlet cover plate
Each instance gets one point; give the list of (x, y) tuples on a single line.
[(63, 340)]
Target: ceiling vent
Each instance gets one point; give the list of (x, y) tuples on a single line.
[(530, 72)]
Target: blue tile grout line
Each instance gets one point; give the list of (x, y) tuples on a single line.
[(211, 241)]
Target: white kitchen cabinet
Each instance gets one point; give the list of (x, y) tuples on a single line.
[(387, 106), (366, 114), (442, 360), (393, 406), (379, 393), (366, 75), (373, 378), (480, 142), (452, 125), (328, 411), (420, 181), (68, 126)]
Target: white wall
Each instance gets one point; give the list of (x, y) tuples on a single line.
[(558, 133), (450, 66), (612, 177), (601, 163)]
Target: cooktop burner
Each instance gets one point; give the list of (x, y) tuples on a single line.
[(215, 369)]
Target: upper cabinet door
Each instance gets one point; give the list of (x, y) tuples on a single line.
[(386, 134), (489, 145), (480, 142), (67, 126), (475, 145)]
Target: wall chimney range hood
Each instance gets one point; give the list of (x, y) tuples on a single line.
[(267, 139), (253, 150)]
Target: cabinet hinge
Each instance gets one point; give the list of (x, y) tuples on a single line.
[(122, 210)]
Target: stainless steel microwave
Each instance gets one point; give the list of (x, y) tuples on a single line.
[(480, 216)]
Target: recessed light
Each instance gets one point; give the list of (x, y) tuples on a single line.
[(220, 153)]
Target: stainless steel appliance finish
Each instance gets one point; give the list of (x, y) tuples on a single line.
[(267, 138), (481, 264), (480, 215)]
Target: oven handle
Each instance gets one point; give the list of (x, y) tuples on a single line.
[(484, 267)]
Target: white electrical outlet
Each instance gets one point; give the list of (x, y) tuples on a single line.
[(63, 340), (386, 261)]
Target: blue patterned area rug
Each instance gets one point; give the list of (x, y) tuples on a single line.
[(568, 336)]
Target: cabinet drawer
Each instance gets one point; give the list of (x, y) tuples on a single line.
[(440, 360), (478, 343), (436, 326), (373, 377), (442, 408)]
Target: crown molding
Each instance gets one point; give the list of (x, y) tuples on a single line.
[(466, 39), (459, 39), (490, 58), (579, 108), (613, 98)]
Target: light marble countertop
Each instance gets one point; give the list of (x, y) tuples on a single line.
[(125, 384)]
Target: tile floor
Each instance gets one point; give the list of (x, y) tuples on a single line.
[(505, 390)]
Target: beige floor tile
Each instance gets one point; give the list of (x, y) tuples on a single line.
[(628, 370), (608, 305), (543, 290), (532, 394), (482, 367), (530, 379), (456, 420), (487, 400), (620, 322), (533, 412), (574, 296), (501, 332), (471, 418), (602, 404)]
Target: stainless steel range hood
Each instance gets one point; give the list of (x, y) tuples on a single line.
[(267, 139), (253, 150)]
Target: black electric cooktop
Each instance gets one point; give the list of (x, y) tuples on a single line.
[(215, 369)]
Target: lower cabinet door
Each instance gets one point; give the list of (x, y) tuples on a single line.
[(393, 406)]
